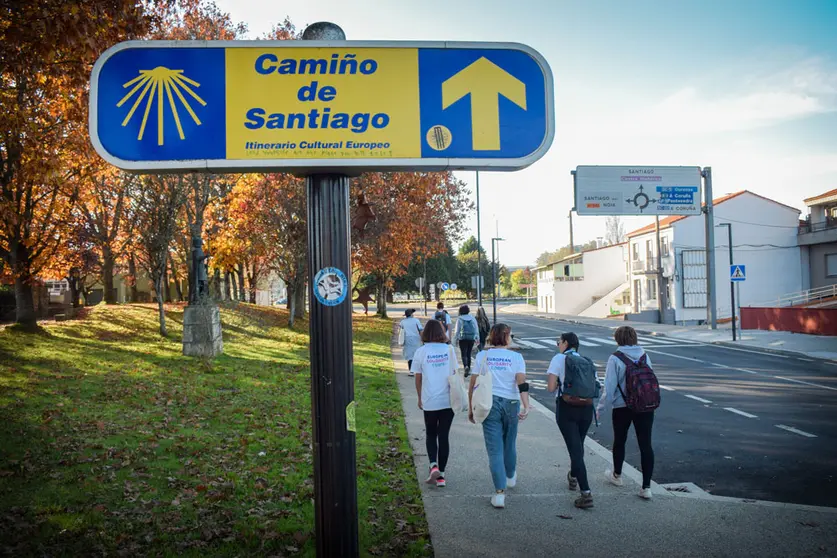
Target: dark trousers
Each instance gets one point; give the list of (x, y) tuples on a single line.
[(466, 346), (574, 422), (643, 423), (438, 424), (409, 365)]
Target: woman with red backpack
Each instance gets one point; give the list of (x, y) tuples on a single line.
[(632, 391)]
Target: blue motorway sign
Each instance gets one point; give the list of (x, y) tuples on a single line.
[(257, 105)]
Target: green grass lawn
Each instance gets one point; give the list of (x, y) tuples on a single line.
[(112, 442)]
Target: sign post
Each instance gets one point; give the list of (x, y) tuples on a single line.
[(324, 108)]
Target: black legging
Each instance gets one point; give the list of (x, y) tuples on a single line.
[(643, 422), (466, 346), (574, 422), (438, 424)]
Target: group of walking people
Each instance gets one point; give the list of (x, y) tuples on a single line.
[(630, 390)]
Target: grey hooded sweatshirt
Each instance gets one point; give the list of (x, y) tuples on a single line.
[(615, 375)]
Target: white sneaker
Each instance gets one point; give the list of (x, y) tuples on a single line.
[(645, 493), (411, 373), (512, 482), (498, 500), (613, 479)]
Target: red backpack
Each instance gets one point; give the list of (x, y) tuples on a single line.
[(642, 390)]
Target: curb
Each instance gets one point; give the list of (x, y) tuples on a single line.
[(729, 344)]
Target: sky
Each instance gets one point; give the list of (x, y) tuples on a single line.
[(748, 88)]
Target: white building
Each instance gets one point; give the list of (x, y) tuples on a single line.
[(818, 241), (589, 283), (764, 239)]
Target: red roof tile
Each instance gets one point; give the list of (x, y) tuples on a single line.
[(815, 198)]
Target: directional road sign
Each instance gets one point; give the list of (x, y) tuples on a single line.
[(475, 278), (453, 286), (737, 273), (637, 190), (445, 286), (304, 105), (420, 283)]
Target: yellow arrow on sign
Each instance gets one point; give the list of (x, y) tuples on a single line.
[(485, 82)]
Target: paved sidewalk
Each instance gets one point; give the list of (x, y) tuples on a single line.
[(540, 519), (814, 346)]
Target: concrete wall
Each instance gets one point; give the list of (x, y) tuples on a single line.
[(603, 270), (816, 258), (816, 321), (772, 271)]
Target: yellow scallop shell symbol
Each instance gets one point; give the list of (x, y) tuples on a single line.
[(161, 85)]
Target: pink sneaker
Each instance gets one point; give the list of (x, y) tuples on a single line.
[(434, 474), (440, 482)]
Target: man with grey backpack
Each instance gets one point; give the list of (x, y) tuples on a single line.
[(574, 376)]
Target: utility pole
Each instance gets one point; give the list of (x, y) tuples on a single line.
[(424, 284), (479, 247), (494, 276), (572, 244), (332, 371), (662, 294), (731, 284), (711, 294)]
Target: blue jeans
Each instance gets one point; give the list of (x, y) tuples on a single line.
[(500, 431)]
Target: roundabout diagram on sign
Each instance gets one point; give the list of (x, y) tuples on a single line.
[(641, 199)]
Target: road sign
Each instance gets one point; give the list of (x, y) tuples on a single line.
[(420, 283), (303, 105), (453, 286), (637, 190), (444, 286), (432, 289), (737, 273), (474, 281)]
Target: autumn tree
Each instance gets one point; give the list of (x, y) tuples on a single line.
[(416, 214), (46, 51), (158, 201)]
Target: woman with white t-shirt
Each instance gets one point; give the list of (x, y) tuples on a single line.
[(433, 363), (509, 388), (412, 337)]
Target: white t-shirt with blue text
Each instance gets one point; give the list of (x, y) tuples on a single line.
[(435, 362), (503, 364)]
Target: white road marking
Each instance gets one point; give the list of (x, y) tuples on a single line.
[(585, 343), (652, 340), (737, 412), (806, 383), (548, 345), (667, 388), (603, 341), (656, 352), (831, 362), (527, 343), (796, 431), (696, 398), (806, 359)]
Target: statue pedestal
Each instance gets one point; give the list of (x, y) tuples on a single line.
[(202, 331)]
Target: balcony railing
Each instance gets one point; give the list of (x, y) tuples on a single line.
[(645, 266), (808, 227)]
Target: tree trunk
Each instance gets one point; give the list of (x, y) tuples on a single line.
[(132, 271), (289, 293), (107, 275), (251, 281), (291, 307), (159, 287), (234, 284), (166, 287), (242, 296), (381, 303), (177, 287), (25, 304), (216, 284), (299, 302)]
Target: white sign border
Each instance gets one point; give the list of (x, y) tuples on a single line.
[(304, 166)]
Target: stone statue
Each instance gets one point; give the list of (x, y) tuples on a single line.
[(199, 276)]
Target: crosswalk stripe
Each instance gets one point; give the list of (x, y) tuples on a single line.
[(529, 344), (585, 343), (604, 341), (656, 340)]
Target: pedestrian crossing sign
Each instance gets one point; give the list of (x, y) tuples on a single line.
[(737, 273)]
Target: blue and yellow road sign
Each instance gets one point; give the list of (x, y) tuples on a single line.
[(297, 105)]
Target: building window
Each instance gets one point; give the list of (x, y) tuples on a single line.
[(664, 245), (831, 265), (635, 252), (649, 250), (652, 289)]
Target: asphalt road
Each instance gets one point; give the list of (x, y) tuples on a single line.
[(734, 422)]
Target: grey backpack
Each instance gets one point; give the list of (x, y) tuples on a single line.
[(580, 385)]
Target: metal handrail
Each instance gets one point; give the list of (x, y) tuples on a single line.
[(808, 227), (802, 297)]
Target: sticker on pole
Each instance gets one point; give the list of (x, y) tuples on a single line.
[(330, 286), (737, 273)]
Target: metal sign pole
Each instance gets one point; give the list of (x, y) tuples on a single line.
[(332, 373), (479, 246), (711, 293)]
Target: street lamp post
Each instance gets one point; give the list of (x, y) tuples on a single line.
[(731, 284), (479, 246), (494, 277)]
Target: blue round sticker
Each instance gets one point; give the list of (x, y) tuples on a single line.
[(330, 286)]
